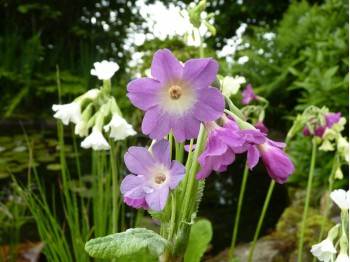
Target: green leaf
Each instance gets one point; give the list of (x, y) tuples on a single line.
[(127, 243), (200, 236), (331, 72)]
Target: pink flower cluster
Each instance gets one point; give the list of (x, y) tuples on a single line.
[(226, 141)]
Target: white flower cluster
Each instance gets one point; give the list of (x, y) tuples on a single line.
[(325, 251), (97, 108)]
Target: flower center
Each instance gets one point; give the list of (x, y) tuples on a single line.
[(159, 178), (175, 92)]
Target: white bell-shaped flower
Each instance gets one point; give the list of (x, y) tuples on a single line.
[(324, 251), (96, 141), (231, 85), (104, 70), (68, 112), (341, 198), (119, 128)]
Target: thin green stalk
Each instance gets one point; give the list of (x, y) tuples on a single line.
[(189, 197), (261, 219), (115, 188), (238, 213), (307, 200), (201, 48), (330, 187)]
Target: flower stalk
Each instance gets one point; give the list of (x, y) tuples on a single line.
[(307, 200)]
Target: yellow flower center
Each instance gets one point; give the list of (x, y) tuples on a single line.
[(175, 92), (159, 178)]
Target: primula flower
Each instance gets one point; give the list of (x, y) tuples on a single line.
[(120, 129), (68, 112), (341, 198), (104, 70), (177, 97), (324, 251), (248, 95), (260, 125), (154, 176), (96, 141), (330, 119), (230, 85), (218, 153), (278, 164)]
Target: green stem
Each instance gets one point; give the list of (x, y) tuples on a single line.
[(261, 219), (307, 200), (115, 187), (238, 213), (201, 48), (330, 186), (189, 197)]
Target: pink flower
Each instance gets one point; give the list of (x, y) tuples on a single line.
[(178, 97), (248, 95), (155, 176), (260, 125), (277, 163), (218, 153)]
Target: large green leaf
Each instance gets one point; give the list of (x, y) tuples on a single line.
[(200, 236), (130, 242)]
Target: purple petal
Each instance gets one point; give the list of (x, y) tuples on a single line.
[(319, 131), (200, 72), (277, 163), (332, 118), (158, 198), (215, 146), (161, 152), (210, 105), (138, 160), (254, 136), (185, 127), (155, 123), (187, 147), (275, 144), (143, 92), (306, 131), (132, 187), (224, 160), (260, 125), (252, 156), (136, 203), (165, 67), (177, 173), (248, 95), (205, 171)]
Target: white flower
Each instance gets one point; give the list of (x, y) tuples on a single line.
[(340, 197), (342, 257), (230, 85), (343, 148), (68, 112), (95, 140), (104, 70), (120, 129), (324, 251)]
